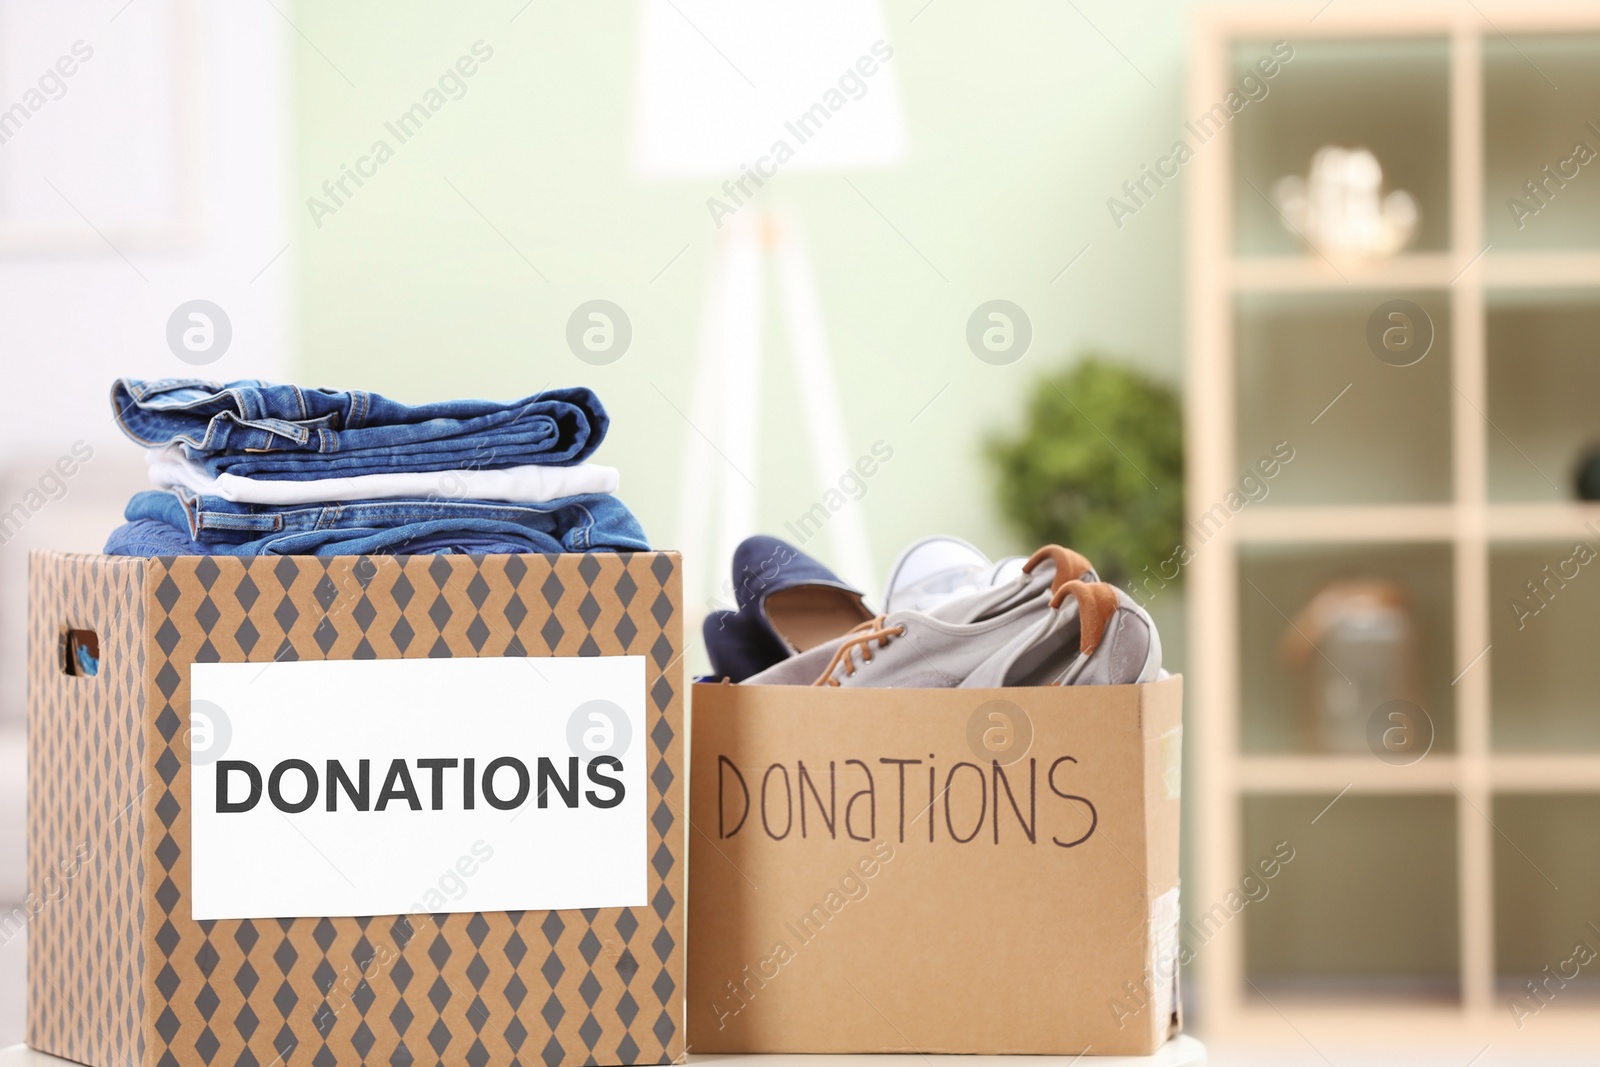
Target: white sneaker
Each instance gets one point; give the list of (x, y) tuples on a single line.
[(936, 570)]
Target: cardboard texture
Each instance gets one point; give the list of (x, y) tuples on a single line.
[(1031, 907), (118, 972)]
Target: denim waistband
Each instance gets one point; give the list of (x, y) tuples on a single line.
[(574, 523), (150, 537)]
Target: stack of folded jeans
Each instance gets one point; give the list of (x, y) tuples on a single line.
[(250, 468), (953, 619)]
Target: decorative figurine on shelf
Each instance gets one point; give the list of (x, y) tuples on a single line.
[(1588, 474), (1340, 209), (1353, 649)]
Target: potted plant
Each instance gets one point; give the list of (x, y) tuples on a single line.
[(1097, 465)]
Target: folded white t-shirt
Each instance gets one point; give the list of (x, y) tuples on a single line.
[(531, 484)]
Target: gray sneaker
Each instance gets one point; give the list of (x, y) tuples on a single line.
[(1093, 634), (991, 617), (1044, 572), (911, 650)]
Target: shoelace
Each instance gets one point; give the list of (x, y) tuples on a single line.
[(858, 637)]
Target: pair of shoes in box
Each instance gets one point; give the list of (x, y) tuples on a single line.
[(953, 619)]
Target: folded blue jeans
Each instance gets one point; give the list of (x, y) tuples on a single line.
[(150, 537), (260, 430), (593, 522)]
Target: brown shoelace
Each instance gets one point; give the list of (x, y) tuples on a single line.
[(860, 637)]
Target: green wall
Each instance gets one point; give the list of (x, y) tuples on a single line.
[(1022, 120)]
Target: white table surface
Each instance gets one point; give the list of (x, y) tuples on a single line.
[(1181, 1051)]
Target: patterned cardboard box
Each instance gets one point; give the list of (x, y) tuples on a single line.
[(120, 975)]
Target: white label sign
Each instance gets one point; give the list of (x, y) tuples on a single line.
[(383, 787)]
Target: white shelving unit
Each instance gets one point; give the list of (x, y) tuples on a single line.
[(1237, 780)]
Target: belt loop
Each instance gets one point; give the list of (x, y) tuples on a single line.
[(289, 431), (190, 502), (244, 403)]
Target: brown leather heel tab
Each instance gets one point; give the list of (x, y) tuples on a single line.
[(1097, 602), (1070, 565)]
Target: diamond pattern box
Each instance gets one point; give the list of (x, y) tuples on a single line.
[(120, 975)]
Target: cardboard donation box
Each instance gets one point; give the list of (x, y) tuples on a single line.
[(351, 810), (916, 870)]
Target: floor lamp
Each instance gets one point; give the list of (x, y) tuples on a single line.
[(701, 116), (718, 493)]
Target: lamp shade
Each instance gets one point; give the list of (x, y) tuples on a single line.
[(772, 85)]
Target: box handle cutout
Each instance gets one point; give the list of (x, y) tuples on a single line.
[(80, 653)]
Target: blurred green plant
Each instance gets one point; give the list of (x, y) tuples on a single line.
[(1097, 466)]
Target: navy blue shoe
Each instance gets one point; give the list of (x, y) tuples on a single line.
[(788, 603), (738, 648)]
